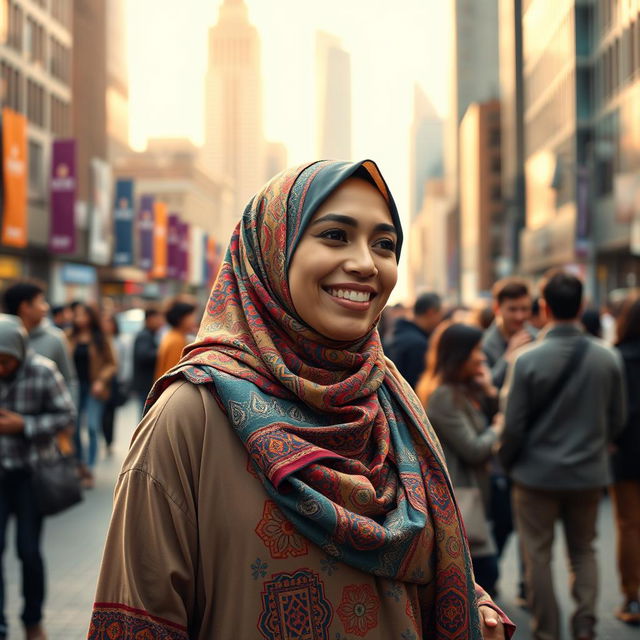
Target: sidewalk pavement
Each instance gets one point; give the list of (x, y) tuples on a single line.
[(73, 543)]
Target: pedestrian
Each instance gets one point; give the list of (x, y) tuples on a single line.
[(410, 340), (565, 404), (120, 382), (284, 481), (26, 300), (590, 320), (511, 329), (625, 490), (181, 317), (34, 405), (145, 352), (96, 366), (537, 319), (458, 394), (509, 332), (61, 316)]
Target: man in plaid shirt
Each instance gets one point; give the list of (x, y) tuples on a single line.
[(34, 405)]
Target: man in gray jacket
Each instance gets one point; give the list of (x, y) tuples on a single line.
[(564, 405), (26, 300)]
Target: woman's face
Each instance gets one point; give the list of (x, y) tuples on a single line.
[(81, 317), (344, 267), (474, 364)]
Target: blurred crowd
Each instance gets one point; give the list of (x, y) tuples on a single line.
[(535, 398), (64, 373)]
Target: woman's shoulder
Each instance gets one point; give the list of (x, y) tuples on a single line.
[(172, 432), (442, 395)]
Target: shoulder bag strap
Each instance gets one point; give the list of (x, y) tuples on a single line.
[(579, 350)]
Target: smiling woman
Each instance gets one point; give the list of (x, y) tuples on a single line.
[(285, 478)]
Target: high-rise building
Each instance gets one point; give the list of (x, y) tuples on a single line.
[(117, 80), (557, 115), (614, 154), (481, 208), (428, 259), (474, 69), (333, 92), (275, 159), (36, 43), (234, 138), (474, 77), (512, 126), (425, 154)]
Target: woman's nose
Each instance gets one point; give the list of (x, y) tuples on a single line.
[(361, 260)]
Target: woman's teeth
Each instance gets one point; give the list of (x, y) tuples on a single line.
[(347, 294)]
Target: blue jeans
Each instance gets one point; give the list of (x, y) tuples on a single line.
[(93, 408), (16, 496)]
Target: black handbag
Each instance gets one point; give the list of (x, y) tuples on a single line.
[(55, 480)]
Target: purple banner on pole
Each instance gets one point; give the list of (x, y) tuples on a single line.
[(145, 233), (184, 252), (173, 242), (62, 230)]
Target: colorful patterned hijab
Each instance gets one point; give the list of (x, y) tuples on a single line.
[(336, 436)]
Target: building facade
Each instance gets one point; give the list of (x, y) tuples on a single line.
[(36, 47), (333, 98), (474, 77), (427, 240), (481, 206), (234, 147), (615, 152), (425, 148)]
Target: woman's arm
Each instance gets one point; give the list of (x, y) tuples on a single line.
[(148, 581), (454, 428)]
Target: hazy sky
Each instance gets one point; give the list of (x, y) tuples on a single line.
[(393, 45)]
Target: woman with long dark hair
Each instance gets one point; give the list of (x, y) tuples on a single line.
[(456, 390), (284, 481), (625, 491), (96, 366)]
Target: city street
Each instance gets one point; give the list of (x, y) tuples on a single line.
[(74, 540)]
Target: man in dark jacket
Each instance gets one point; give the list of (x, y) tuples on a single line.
[(145, 351), (564, 407), (410, 339)]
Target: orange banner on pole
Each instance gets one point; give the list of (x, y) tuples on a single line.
[(14, 174), (160, 237)]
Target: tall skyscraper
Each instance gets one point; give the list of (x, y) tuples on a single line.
[(475, 68), (425, 156), (333, 89), (234, 145)]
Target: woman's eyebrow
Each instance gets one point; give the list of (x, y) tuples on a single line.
[(352, 222)]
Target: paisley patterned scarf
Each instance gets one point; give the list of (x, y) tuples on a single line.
[(337, 437)]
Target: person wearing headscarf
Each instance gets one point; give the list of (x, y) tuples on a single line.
[(284, 481), (35, 405)]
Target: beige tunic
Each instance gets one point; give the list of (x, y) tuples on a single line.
[(196, 549)]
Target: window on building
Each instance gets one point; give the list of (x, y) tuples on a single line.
[(14, 31), (60, 117), (35, 103), (36, 169), (59, 60), (496, 164), (496, 192), (61, 11), (34, 41), (494, 137), (11, 87)]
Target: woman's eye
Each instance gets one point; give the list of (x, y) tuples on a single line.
[(334, 234), (387, 244)]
